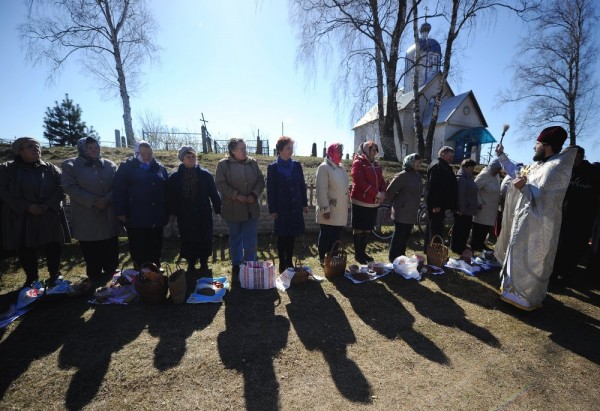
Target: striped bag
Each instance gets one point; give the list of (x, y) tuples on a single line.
[(257, 275)]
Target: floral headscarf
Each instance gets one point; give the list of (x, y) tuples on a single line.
[(333, 153), (409, 161)]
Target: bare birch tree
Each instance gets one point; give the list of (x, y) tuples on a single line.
[(364, 36), (461, 15), (554, 72), (112, 38)]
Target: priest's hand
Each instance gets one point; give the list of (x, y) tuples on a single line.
[(519, 182)]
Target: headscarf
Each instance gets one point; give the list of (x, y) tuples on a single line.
[(333, 153), (17, 145), (183, 150), (409, 161), (136, 154), (495, 164), (363, 148), (82, 149)]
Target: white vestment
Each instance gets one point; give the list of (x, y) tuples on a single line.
[(531, 226)]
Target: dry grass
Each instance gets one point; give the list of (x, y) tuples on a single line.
[(446, 342)]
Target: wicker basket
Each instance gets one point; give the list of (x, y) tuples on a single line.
[(437, 252), (335, 264), (151, 285)]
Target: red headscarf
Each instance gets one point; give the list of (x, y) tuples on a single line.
[(333, 153)]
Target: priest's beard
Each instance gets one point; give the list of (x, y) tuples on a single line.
[(539, 154)]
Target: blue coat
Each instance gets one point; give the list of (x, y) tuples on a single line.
[(287, 197), (140, 194)]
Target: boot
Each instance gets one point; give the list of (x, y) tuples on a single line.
[(359, 250), (289, 263), (235, 274), (365, 240), (191, 267)]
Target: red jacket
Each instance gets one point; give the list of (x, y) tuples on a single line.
[(367, 181)]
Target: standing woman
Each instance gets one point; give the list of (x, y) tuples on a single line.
[(240, 182), (192, 198), (140, 203), (466, 206), (488, 198), (286, 194), (368, 192), (32, 213), (332, 199), (404, 194), (88, 180)]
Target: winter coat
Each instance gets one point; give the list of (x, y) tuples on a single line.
[(367, 181), (194, 216), (21, 185), (332, 194), (442, 187), (85, 183), (404, 194), (140, 194), (232, 178), (287, 197), (467, 193), (488, 197), (581, 200)]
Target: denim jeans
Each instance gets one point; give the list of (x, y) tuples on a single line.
[(242, 241)]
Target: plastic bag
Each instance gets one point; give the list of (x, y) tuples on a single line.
[(407, 267)]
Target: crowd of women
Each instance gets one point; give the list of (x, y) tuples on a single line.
[(141, 196)]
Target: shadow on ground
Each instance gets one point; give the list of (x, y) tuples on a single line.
[(322, 325)]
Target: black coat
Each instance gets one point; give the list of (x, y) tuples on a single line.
[(194, 216), (442, 190), (22, 185), (581, 200)]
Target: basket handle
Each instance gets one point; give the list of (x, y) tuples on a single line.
[(437, 236), (333, 247), (270, 255)]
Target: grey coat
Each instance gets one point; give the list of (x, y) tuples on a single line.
[(22, 185), (467, 193), (404, 194), (85, 184), (232, 178), (488, 197)]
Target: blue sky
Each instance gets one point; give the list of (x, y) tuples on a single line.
[(234, 61)]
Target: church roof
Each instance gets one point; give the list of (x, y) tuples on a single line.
[(402, 100), (449, 106), (426, 46)]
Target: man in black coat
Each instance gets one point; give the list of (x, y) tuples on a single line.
[(441, 193), (579, 211)]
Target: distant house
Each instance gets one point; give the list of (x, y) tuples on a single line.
[(460, 123)]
